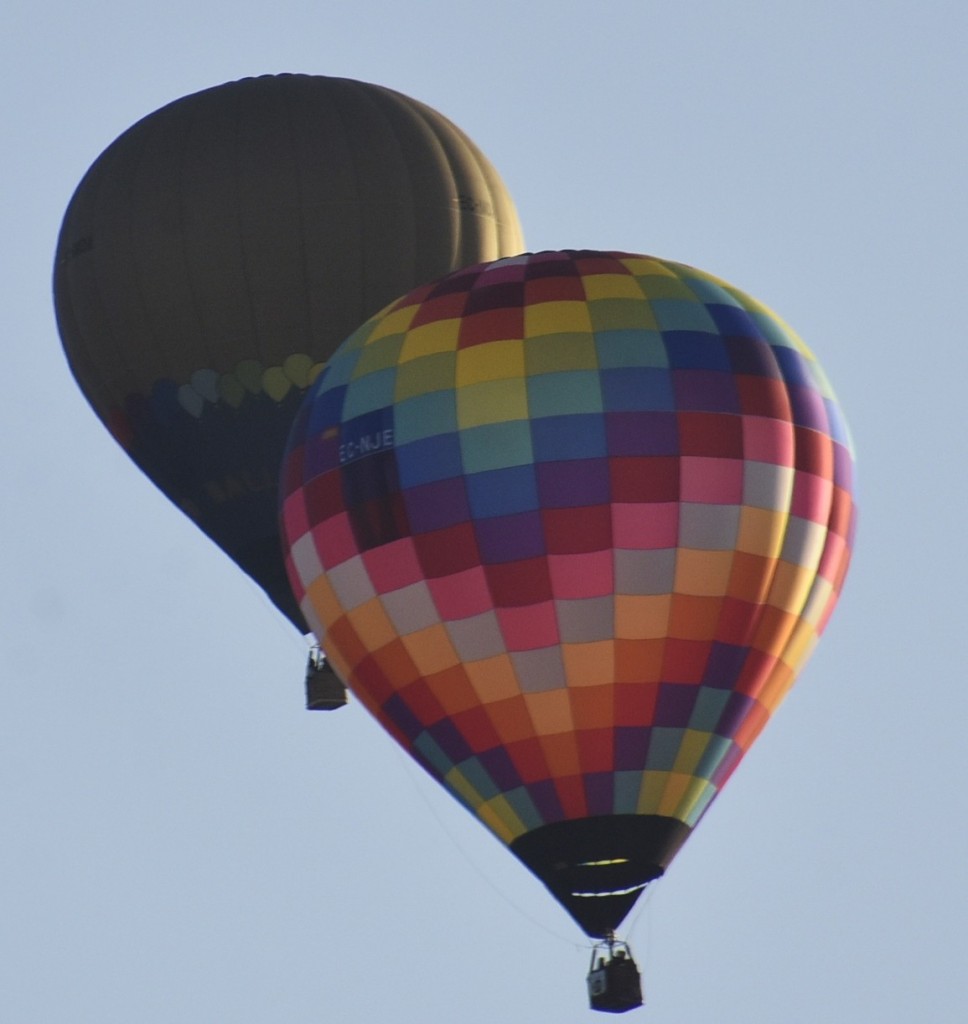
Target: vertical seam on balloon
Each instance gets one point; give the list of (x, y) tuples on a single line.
[(118, 345), (611, 528), (504, 230), (205, 353), (613, 644), (668, 780), (567, 687), (683, 274), (483, 800), (412, 110), (795, 613), (818, 581), (243, 256), (646, 298), (461, 242), (288, 85), (493, 603), (684, 277), (360, 92), (781, 675), (487, 220)]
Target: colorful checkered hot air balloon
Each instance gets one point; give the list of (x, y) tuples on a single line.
[(568, 524)]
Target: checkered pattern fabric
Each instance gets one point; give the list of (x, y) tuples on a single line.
[(568, 524)]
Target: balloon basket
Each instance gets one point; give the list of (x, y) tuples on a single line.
[(324, 689), (614, 982)]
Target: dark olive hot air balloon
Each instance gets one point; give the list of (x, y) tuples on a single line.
[(215, 255), (569, 524)]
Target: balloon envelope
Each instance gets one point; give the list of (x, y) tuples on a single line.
[(569, 524), (215, 255)]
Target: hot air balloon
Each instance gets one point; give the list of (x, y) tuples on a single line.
[(216, 254), (569, 524)]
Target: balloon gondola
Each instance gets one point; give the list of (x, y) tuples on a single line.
[(568, 524), (614, 983), (325, 690)]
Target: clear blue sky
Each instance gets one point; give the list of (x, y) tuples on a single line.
[(183, 843)]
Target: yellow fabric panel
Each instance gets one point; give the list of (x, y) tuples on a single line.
[(791, 586), (426, 374), (554, 353), (396, 321), (498, 815), (691, 750), (430, 339), (651, 791), (819, 601), (619, 314), (381, 354), (613, 286), (462, 787), (695, 798), (498, 360), (675, 794), (492, 402), (554, 317), (761, 531)]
